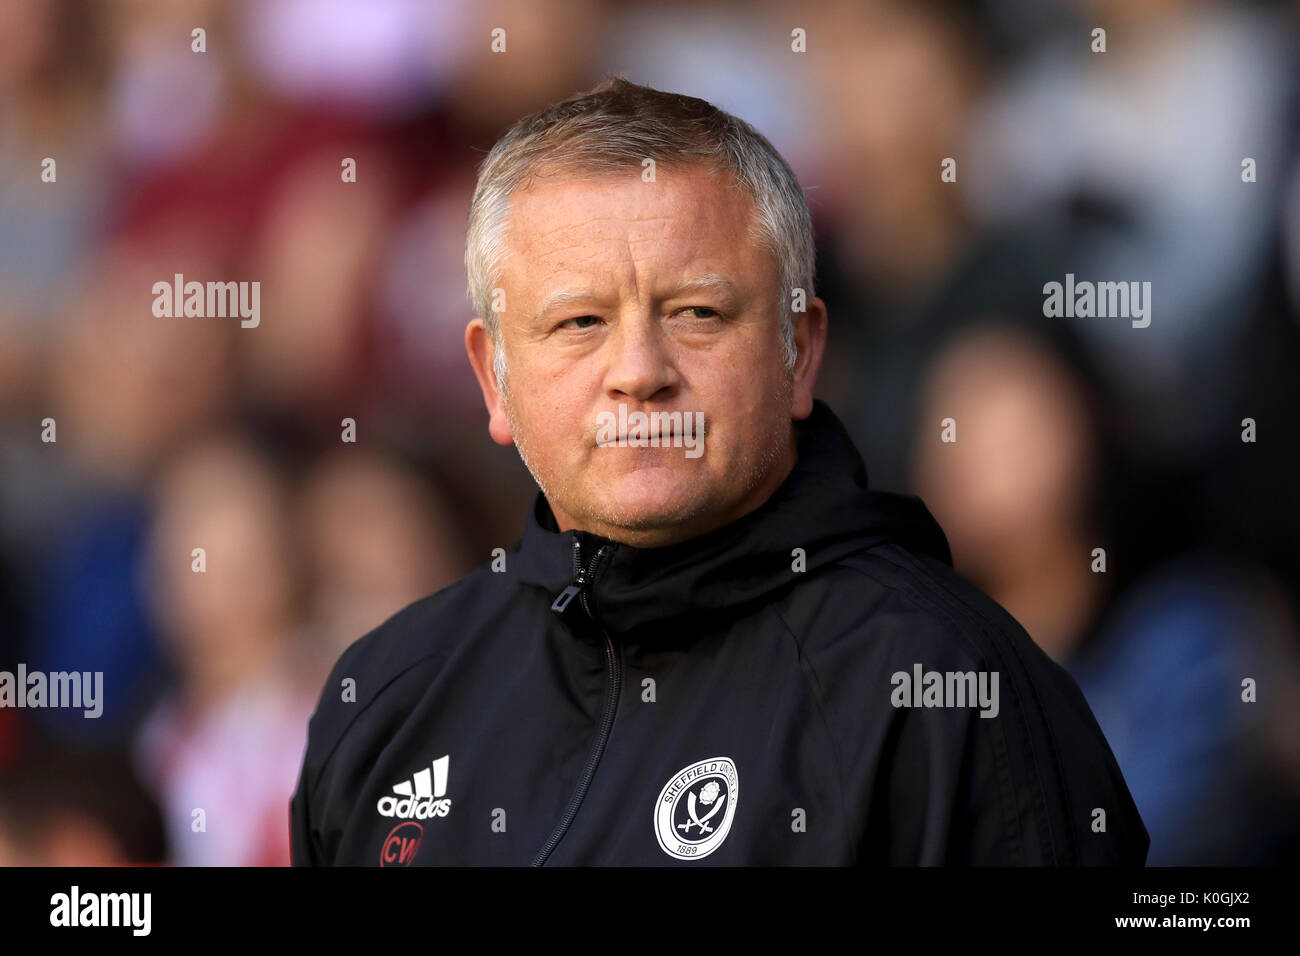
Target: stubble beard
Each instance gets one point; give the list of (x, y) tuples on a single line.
[(599, 514)]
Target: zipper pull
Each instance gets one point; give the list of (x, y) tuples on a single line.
[(565, 596), (563, 599)]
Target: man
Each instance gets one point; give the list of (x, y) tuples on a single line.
[(714, 644)]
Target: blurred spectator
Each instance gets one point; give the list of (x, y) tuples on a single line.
[(382, 58), (51, 70), (1020, 491), (894, 88), (49, 816), (1138, 153), (1161, 656), (709, 51), (319, 246), (165, 99), (377, 538), (1164, 675), (544, 53), (123, 388), (222, 750)]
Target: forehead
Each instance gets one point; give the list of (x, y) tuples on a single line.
[(690, 217)]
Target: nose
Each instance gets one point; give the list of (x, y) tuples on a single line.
[(640, 363)]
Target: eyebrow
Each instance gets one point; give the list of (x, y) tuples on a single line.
[(712, 280)]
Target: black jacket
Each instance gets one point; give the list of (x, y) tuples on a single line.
[(759, 695)]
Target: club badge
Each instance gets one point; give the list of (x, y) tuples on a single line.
[(695, 808)]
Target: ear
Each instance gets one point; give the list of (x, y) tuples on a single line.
[(481, 350), (810, 339)]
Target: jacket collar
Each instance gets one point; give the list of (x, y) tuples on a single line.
[(824, 507)]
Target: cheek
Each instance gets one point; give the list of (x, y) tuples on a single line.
[(743, 365), (548, 412)]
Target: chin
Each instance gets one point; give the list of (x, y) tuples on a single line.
[(653, 498)]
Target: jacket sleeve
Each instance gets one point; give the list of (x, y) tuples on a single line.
[(306, 815), (1035, 784)]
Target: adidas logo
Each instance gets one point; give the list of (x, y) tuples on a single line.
[(422, 796)]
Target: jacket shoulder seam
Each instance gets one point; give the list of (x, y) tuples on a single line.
[(361, 650), (956, 605), (935, 605), (320, 773), (818, 698)]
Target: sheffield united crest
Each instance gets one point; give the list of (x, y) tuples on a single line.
[(695, 808)]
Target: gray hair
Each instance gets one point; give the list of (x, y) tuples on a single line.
[(616, 126)]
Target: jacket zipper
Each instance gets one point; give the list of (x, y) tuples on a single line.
[(583, 579)]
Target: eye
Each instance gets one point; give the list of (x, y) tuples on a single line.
[(703, 308), (581, 321)]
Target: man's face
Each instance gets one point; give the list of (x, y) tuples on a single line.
[(628, 332)]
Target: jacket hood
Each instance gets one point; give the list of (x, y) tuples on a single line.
[(824, 507)]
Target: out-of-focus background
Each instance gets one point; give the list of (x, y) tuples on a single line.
[(1073, 434)]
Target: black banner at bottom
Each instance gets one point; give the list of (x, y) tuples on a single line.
[(304, 906)]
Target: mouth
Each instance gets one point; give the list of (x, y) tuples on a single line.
[(657, 429), (641, 441)]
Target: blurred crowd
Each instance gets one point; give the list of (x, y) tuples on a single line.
[(1079, 440)]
